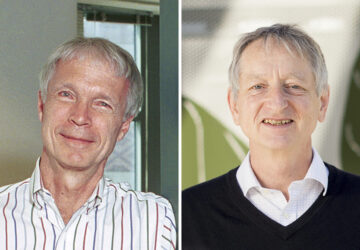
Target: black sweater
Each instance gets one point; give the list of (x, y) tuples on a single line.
[(216, 215)]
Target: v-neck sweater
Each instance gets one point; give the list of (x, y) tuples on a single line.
[(216, 215)]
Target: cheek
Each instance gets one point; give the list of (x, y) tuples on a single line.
[(49, 117), (108, 127), (246, 116), (249, 109), (309, 112), (55, 119), (54, 111), (309, 108)]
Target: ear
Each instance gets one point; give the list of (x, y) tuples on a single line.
[(40, 106), (324, 102), (232, 102), (124, 128)]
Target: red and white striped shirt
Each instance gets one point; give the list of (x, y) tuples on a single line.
[(114, 217)]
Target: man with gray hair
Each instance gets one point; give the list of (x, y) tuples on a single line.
[(90, 91), (282, 196)]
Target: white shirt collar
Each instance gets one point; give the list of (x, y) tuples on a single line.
[(317, 171), (36, 185)]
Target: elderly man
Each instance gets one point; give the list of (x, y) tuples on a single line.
[(90, 91), (283, 196)]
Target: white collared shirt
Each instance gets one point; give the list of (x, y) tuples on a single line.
[(114, 217), (271, 202)]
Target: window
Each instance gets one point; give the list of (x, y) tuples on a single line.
[(135, 27), (124, 164)]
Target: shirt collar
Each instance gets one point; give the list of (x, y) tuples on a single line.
[(36, 187), (317, 171), (245, 176), (97, 195)]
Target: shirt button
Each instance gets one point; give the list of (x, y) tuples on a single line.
[(286, 215)]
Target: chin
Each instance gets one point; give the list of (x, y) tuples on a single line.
[(278, 143), (76, 161)]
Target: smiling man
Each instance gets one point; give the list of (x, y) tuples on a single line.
[(90, 91), (282, 196)]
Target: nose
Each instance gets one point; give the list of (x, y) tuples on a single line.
[(276, 99), (80, 114)]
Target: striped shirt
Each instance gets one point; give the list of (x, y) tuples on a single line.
[(114, 217)]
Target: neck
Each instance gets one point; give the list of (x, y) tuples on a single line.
[(70, 187), (277, 169)]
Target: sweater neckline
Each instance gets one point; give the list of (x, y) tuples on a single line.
[(269, 225)]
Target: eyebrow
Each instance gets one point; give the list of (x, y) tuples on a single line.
[(106, 98), (297, 75), (97, 95), (260, 76), (64, 85)]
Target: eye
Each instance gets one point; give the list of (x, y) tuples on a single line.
[(293, 86), (295, 89), (64, 93), (103, 105), (257, 87)]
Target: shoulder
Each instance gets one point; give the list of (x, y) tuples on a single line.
[(10, 193), (125, 192), (13, 188), (207, 208), (338, 173), (151, 212), (212, 189), (144, 204), (342, 180)]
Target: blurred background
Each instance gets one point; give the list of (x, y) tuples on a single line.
[(211, 143)]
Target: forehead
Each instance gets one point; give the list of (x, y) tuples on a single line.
[(88, 72), (86, 66), (272, 54), (89, 58), (270, 46)]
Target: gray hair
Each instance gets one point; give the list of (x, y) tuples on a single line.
[(121, 61), (291, 37)]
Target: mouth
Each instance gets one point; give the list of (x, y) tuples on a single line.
[(76, 139), (278, 122)]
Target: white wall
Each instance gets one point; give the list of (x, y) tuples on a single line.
[(29, 31)]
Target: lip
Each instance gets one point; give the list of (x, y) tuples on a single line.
[(76, 139)]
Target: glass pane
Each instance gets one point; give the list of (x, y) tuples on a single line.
[(119, 33), (123, 164)]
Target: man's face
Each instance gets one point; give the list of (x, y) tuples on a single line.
[(82, 117), (277, 105)]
